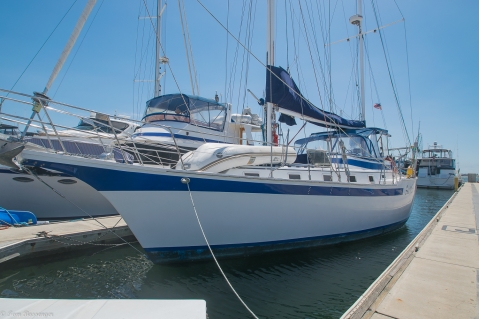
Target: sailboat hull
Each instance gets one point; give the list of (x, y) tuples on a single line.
[(20, 191), (239, 215), (238, 224)]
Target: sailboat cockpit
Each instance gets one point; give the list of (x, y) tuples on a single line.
[(365, 143)]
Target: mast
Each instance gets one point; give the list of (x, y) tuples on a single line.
[(357, 20), (157, 52), (270, 61), (158, 58), (68, 47)]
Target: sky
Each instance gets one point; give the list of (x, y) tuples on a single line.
[(432, 59)]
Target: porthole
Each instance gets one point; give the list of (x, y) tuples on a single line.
[(353, 179), (327, 178), (294, 176), (23, 179), (67, 181), (252, 174), (371, 179)]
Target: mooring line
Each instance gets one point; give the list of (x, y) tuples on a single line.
[(187, 181), (58, 193)]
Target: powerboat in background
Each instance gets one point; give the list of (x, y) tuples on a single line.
[(436, 168)]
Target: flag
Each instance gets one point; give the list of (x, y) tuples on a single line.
[(378, 106)]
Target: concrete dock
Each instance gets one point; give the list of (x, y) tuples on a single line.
[(21, 243), (436, 276), (102, 308)]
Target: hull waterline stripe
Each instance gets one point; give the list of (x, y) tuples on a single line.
[(268, 243)]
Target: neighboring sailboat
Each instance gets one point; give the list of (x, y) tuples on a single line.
[(192, 121), (245, 204), (16, 184)]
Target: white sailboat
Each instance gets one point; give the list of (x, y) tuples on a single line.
[(246, 205), (46, 204)]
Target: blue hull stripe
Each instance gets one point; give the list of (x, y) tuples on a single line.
[(116, 180), (269, 243), (177, 136), (357, 163), (7, 171)]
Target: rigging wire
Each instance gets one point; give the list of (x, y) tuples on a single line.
[(244, 53), (404, 127), (353, 74), (408, 66), (187, 51), (41, 47), (233, 71), (248, 38), (140, 72), (295, 53), (226, 52), (190, 47), (78, 49), (135, 110), (372, 78), (317, 51), (311, 57)]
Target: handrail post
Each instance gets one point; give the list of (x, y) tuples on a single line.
[(176, 146), (53, 127), (118, 141), (46, 132)]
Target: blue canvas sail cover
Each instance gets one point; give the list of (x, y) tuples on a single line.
[(290, 101)]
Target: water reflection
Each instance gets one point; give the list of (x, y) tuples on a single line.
[(114, 278)]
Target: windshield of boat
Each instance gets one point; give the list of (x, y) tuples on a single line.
[(437, 153), (355, 145), (9, 130), (182, 108), (101, 125)]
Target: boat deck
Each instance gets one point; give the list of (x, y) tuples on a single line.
[(48, 239), (436, 276)]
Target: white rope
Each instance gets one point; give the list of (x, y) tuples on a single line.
[(187, 181)]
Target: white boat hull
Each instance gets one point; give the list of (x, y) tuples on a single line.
[(240, 215), (34, 196), (436, 182)]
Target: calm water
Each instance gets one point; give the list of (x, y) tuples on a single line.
[(320, 283)]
